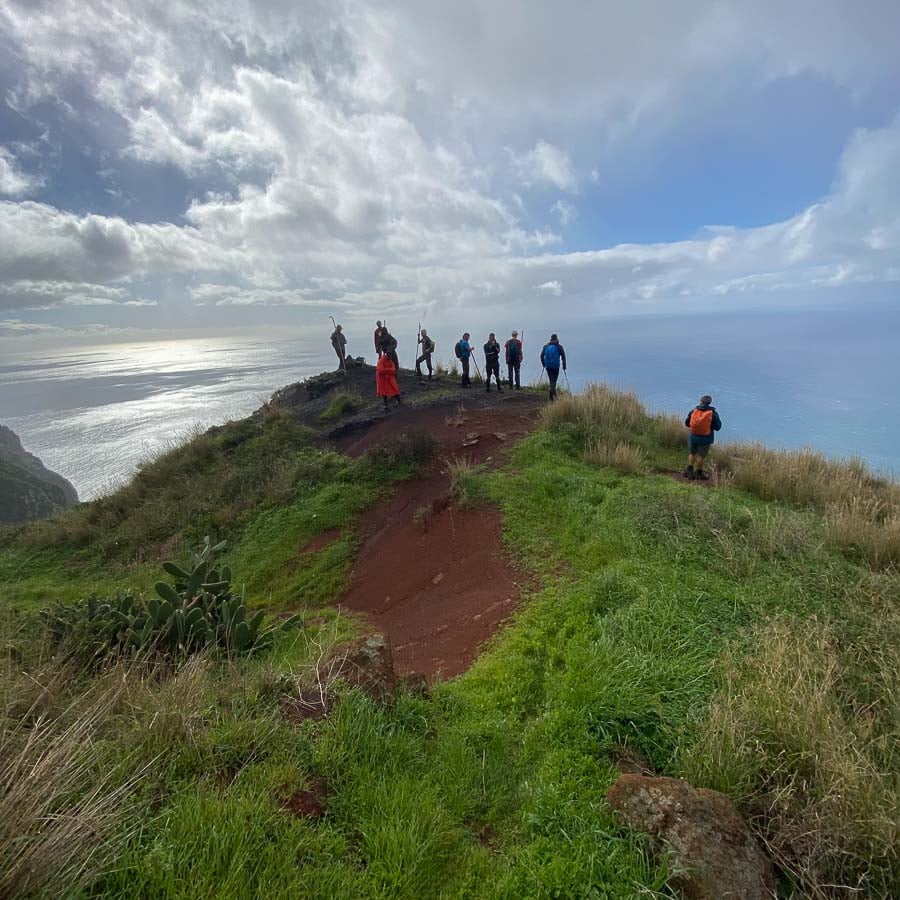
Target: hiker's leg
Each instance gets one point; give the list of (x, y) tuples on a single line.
[(428, 363), (518, 375)]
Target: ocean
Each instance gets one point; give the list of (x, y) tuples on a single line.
[(829, 379)]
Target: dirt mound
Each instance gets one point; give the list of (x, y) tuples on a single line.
[(431, 576)]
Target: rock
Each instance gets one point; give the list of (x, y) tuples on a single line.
[(713, 854), (414, 683), (368, 663), (29, 490)]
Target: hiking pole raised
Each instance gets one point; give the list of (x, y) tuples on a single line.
[(342, 355)]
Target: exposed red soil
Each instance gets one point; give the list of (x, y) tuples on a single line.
[(310, 803), (431, 576)]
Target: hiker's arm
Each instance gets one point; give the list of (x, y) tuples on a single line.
[(717, 422), (687, 419), (562, 353)]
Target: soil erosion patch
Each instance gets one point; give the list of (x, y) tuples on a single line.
[(430, 575)]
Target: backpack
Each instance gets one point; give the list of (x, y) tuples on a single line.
[(513, 350), (701, 422), (458, 350), (551, 356)]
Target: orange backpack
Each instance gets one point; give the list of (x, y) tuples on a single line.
[(701, 422)]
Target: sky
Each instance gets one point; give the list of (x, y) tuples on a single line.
[(178, 167)]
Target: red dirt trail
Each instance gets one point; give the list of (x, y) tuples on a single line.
[(440, 586)]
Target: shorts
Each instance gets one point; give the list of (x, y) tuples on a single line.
[(698, 449)]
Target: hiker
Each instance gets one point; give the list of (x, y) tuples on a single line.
[(377, 338), (513, 349), (704, 422), (427, 349), (386, 379), (552, 355), (388, 345), (463, 351), (492, 362), (339, 342)]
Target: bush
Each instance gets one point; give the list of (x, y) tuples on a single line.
[(622, 456), (198, 612), (670, 432), (803, 734), (413, 448), (342, 404), (463, 480), (600, 410)]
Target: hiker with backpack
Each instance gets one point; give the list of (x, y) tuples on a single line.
[(463, 351), (513, 349), (386, 379), (703, 422), (339, 342), (552, 356), (388, 346), (492, 362), (427, 349), (377, 338)]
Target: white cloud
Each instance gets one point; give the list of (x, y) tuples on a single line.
[(546, 164), (567, 212), (550, 287), (13, 181)]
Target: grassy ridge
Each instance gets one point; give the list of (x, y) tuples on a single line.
[(712, 633)]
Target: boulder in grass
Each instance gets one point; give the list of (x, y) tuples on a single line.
[(712, 852)]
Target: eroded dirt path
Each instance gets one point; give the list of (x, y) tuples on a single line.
[(431, 576)]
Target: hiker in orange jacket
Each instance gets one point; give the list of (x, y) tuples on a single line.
[(704, 422), (386, 379)]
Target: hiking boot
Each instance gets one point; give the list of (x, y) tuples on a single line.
[(701, 476), (499, 389), (688, 472)]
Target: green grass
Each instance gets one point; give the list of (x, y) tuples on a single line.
[(713, 633)]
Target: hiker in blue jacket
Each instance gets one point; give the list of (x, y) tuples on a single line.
[(552, 355), (704, 422), (463, 351)]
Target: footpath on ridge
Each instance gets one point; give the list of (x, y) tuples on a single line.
[(430, 574)]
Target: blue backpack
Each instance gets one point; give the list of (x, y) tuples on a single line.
[(551, 356)]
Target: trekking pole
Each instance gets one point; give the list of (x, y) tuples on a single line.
[(477, 370), (568, 387), (343, 359)]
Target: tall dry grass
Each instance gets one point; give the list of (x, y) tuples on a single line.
[(600, 409), (619, 455), (861, 510), (804, 734), (64, 810)]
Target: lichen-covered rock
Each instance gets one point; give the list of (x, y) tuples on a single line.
[(712, 852), (28, 490), (368, 663)]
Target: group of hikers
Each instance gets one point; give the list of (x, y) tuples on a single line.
[(553, 358), (702, 421)]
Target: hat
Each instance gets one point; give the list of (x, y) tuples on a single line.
[(515, 334)]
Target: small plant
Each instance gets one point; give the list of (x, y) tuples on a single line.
[(463, 480), (423, 516), (414, 447), (342, 403), (196, 612)]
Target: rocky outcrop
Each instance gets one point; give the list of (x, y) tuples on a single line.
[(28, 490), (712, 854)]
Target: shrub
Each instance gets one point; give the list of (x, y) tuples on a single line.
[(413, 447), (670, 432), (804, 734), (599, 410), (198, 612), (342, 403), (622, 456), (463, 480)]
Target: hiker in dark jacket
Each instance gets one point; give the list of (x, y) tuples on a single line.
[(704, 422), (427, 349), (339, 342), (552, 356), (492, 362), (513, 349), (463, 351), (377, 338), (388, 344)]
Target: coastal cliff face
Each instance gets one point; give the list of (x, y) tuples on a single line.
[(28, 490)]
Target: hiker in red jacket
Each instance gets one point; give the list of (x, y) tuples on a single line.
[(704, 422), (386, 379)]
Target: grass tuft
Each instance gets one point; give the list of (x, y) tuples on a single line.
[(622, 456), (343, 403)]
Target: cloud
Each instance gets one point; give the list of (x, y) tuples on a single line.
[(13, 181), (567, 212), (381, 158), (550, 287), (546, 164)]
